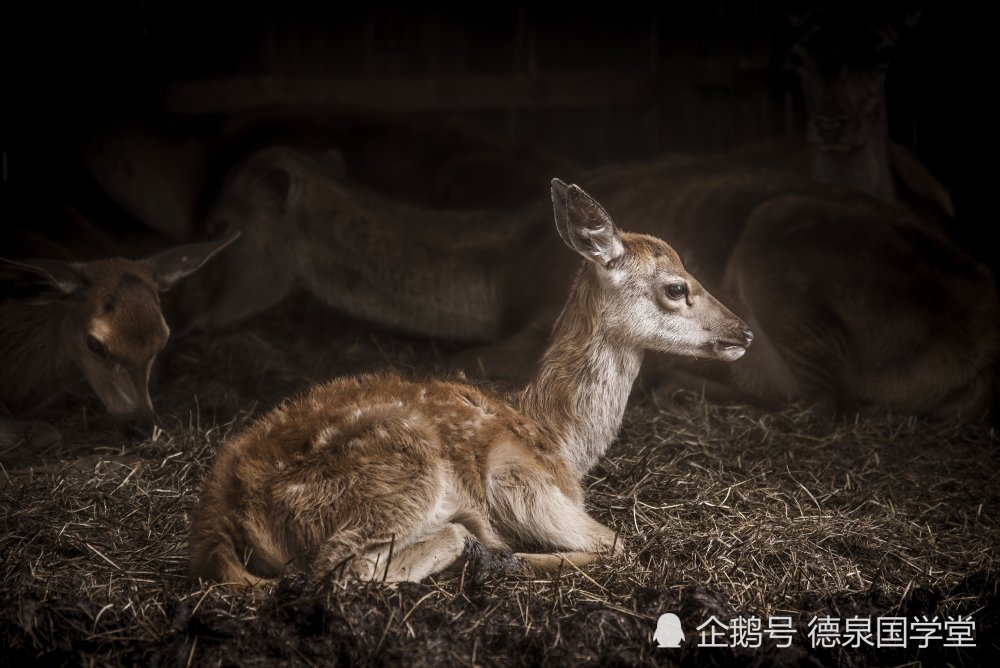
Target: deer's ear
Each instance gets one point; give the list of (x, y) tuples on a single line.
[(64, 277), (172, 265), (584, 224)]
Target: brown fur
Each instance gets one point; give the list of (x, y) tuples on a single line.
[(936, 345), (97, 321), (380, 476), (344, 245)]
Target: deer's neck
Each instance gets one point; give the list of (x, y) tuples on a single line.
[(866, 169), (34, 363), (584, 379)]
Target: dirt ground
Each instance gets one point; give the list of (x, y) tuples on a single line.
[(727, 512)]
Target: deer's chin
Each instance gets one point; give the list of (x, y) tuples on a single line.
[(728, 352)]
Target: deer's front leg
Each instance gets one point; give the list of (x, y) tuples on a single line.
[(607, 541), (386, 562), (530, 509)]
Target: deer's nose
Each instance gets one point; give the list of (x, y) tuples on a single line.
[(747, 337)]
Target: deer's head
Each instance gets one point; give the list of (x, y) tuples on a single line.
[(112, 327), (841, 59), (653, 303)]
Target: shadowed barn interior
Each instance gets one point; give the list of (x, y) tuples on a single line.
[(382, 172)]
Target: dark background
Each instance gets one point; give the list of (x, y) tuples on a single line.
[(653, 78)]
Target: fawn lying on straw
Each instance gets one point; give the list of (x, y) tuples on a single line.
[(377, 476)]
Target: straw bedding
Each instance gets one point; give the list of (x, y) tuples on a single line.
[(725, 510)]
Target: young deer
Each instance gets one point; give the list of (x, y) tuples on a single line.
[(386, 477), (101, 318)]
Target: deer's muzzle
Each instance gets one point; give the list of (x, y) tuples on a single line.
[(136, 427), (731, 349)]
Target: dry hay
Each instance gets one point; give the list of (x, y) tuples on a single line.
[(723, 509)]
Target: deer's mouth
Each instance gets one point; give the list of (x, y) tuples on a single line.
[(731, 349), (729, 352)]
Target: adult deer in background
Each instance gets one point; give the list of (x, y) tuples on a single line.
[(98, 321), (387, 478), (841, 57)]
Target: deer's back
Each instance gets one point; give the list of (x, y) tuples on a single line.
[(450, 424)]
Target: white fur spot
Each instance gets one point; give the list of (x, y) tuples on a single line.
[(295, 489), (325, 436)]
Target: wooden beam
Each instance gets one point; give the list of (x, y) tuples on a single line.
[(459, 93)]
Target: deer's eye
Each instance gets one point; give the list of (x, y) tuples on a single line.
[(677, 291), (97, 347)]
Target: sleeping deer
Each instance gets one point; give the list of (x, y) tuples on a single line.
[(377, 476), (98, 321)]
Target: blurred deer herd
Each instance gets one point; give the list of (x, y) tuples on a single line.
[(835, 247)]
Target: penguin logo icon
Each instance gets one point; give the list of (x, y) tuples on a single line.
[(668, 631)]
